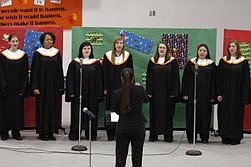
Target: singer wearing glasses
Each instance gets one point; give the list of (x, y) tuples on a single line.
[(47, 80), (113, 63), (92, 90), (205, 93), (163, 89), (13, 80), (233, 92)]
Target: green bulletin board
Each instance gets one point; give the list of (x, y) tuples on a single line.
[(140, 59)]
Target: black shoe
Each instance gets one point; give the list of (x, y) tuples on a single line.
[(4, 137), (51, 137), (204, 141), (204, 138), (18, 137), (110, 138), (93, 138), (235, 142), (153, 138), (73, 137), (217, 133), (190, 139), (43, 137), (168, 139), (226, 141)]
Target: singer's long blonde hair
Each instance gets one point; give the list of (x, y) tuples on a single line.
[(117, 38)]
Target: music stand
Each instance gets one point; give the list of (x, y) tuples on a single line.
[(194, 152), (80, 147), (90, 116), (90, 141)]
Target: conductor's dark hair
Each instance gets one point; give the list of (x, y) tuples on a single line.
[(199, 46), (12, 36), (80, 52), (127, 76), (42, 36)]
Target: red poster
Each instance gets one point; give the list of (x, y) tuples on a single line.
[(244, 37), (66, 13), (27, 37)]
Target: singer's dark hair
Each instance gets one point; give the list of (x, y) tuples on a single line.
[(127, 77), (12, 36), (208, 53), (168, 53), (80, 53), (238, 52), (42, 37)]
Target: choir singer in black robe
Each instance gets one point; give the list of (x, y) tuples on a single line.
[(92, 90), (233, 92), (14, 76), (47, 82), (113, 63), (205, 93), (163, 88)]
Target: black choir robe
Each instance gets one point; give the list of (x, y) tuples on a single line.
[(234, 87), (2, 93), (205, 96), (92, 92), (14, 77), (47, 76), (205, 92), (112, 74), (162, 83)]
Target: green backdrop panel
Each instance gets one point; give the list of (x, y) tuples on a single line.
[(140, 59)]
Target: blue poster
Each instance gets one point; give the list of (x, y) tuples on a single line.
[(137, 42), (31, 43)]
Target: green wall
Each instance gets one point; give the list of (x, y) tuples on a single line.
[(140, 60)]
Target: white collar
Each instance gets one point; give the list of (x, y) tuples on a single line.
[(118, 60), (86, 60), (202, 62), (13, 55), (48, 52), (161, 60), (233, 60)]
